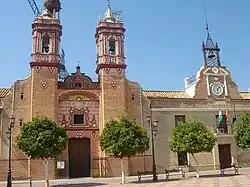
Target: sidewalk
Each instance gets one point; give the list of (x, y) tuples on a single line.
[(208, 178)]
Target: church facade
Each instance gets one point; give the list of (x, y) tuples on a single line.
[(83, 106)]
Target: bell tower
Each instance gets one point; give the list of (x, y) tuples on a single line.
[(111, 65), (45, 60), (211, 51)]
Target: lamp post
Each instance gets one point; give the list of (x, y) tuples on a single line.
[(9, 136), (153, 133)]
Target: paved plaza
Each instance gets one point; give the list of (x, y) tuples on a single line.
[(208, 179)]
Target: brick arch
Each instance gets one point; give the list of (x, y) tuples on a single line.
[(46, 33), (78, 95)]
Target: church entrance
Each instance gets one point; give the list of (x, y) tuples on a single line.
[(225, 155), (79, 157)]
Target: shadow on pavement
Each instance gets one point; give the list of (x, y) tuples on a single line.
[(151, 181), (216, 176), (79, 185)]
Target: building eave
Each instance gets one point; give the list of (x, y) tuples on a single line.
[(158, 94)]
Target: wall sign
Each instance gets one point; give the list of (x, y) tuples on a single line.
[(60, 164)]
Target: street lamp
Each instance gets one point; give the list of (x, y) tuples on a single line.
[(9, 136), (153, 131)]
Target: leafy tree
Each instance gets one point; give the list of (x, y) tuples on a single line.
[(42, 138), (192, 137), (242, 131), (122, 137)]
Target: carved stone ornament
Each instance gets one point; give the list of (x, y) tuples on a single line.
[(215, 69), (93, 134), (119, 70), (79, 134), (78, 95), (113, 84), (51, 69), (79, 105), (93, 121), (64, 121), (107, 70), (37, 68), (86, 115), (43, 85)]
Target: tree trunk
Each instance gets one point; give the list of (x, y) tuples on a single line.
[(197, 167), (122, 170), (46, 172)]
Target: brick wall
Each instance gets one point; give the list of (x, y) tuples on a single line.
[(20, 168), (111, 167), (37, 169), (3, 169)]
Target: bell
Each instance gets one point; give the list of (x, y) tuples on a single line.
[(211, 54)]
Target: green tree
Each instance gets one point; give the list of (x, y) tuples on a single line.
[(242, 131), (192, 137), (122, 137), (42, 138)]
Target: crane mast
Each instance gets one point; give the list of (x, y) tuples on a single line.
[(34, 7), (63, 73)]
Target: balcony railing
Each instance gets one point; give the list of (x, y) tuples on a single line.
[(223, 130)]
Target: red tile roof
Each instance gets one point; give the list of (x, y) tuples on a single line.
[(4, 92), (179, 94)]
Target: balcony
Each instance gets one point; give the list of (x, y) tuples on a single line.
[(223, 135), (223, 130)]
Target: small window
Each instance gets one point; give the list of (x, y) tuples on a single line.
[(179, 118), (21, 96), (78, 85), (112, 47), (78, 119), (133, 97), (46, 44), (21, 122)]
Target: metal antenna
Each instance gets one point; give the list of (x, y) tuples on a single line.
[(108, 1), (205, 13)]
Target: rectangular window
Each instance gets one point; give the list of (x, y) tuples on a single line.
[(78, 119), (179, 118), (223, 126)]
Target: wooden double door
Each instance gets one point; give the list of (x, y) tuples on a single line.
[(79, 158), (225, 155)]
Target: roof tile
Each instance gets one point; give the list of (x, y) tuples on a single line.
[(4, 92), (166, 94), (179, 94)]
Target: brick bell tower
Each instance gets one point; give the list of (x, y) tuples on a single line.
[(46, 33), (111, 66)]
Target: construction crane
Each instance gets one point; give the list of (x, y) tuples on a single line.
[(34, 7), (62, 73)]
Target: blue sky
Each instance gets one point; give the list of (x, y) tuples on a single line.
[(163, 39)]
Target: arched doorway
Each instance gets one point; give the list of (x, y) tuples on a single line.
[(79, 157)]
